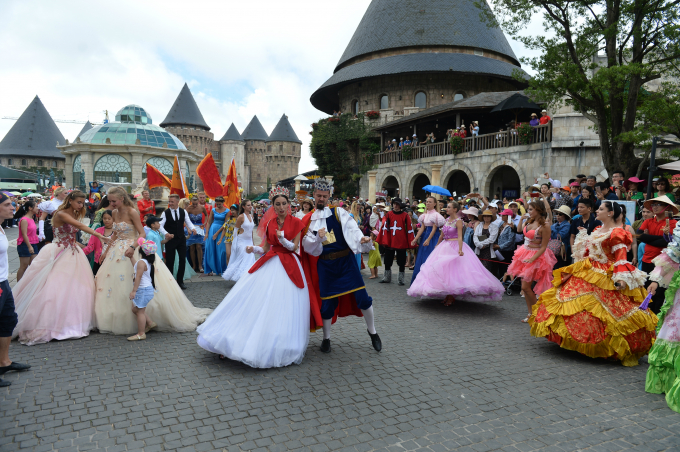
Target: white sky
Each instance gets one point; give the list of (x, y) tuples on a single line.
[(240, 58)]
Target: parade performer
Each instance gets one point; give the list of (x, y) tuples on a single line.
[(170, 308), (173, 221), (146, 206), (55, 298), (533, 261), (453, 271), (215, 257), (430, 222), (47, 208), (331, 239), (197, 213), (264, 319), (241, 261), (594, 305), (663, 374), (396, 236)]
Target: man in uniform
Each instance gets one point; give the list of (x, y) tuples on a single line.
[(395, 237)]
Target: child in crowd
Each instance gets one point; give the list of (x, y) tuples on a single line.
[(94, 244), (144, 288), (154, 234), (374, 256)]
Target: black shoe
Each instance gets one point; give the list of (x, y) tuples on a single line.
[(17, 367), (326, 346), (4, 383), (375, 340), (182, 286)]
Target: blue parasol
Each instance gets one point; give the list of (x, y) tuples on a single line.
[(437, 190)]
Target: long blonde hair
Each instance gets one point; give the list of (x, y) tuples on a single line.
[(59, 191), (66, 204), (355, 210), (122, 194)]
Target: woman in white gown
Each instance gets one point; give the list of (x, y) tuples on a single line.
[(264, 319), (170, 310), (241, 261)]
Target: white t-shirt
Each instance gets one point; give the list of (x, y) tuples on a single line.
[(146, 276), (4, 264)]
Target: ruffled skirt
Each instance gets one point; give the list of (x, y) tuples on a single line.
[(584, 312), (541, 270), (263, 321), (240, 261), (447, 273)]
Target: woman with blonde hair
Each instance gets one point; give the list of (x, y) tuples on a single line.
[(47, 208), (55, 298)]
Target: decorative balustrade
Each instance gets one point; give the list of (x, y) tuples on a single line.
[(507, 138)]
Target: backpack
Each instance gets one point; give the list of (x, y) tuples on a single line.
[(506, 239), (467, 237)]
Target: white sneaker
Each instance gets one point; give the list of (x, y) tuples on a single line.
[(14, 226)]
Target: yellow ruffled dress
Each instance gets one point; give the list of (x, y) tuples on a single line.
[(585, 312)]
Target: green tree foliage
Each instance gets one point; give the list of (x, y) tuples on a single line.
[(344, 148), (640, 41)]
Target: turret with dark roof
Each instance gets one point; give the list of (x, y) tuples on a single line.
[(86, 127), (34, 134), (232, 134), (185, 112), (284, 132), (254, 131)]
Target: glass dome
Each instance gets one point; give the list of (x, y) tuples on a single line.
[(132, 124)]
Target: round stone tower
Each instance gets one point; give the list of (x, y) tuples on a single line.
[(185, 121), (255, 137), (283, 151)]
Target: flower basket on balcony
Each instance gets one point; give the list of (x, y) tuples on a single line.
[(372, 114), (456, 145), (315, 126), (526, 133), (334, 120), (406, 152)]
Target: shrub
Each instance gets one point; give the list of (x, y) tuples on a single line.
[(526, 133), (456, 144)]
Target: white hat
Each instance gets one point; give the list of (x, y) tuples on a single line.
[(544, 111), (494, 202), (394, 139), (380, 204), (415, 135), (556, 184)]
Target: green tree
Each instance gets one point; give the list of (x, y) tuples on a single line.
[(639, 38), (343, 148)]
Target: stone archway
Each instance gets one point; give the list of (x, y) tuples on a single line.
[(411, 186), (459, 178), (418, 182), (390, 185), (503, 165)]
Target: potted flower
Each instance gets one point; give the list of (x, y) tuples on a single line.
[(372, 114), (406, 151), (526, 133), (334, 120), (456, 143)]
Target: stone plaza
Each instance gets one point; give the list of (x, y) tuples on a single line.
[(465, 378)]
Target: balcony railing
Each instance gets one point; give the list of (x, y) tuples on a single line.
[(507, 138)]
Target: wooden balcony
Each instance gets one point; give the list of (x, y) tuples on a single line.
[(508, 138)]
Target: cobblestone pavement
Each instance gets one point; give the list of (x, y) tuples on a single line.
[(468, 378)]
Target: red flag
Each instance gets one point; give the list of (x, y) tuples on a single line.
[(210, 176), (155, 178), (177, 185), (231, 192)]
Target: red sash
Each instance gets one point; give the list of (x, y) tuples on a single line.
[(291, 228)]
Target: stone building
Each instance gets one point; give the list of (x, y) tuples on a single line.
[(283, 151), (255, 138), (232, 145), (31, 143)]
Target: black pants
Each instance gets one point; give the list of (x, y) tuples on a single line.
[(181, 247), (389, 258), (659, 296)]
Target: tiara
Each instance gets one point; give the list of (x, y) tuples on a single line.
[(323, 185), (278, 191)]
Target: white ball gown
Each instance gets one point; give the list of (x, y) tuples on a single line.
[(170, 308), (240, 261), (264, 319), (55, 297)]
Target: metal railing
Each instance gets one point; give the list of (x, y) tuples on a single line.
[(507, 138)]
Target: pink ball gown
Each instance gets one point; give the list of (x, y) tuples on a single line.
[(445, 272), (540, 270), (55, 297)]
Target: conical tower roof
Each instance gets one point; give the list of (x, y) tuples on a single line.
[(34, 134), (254, 131), (284, 132), (232, 134), (85, 128), (398, 24), (185, 111)]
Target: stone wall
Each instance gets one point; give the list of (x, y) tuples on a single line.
[(402, 90), (40, 163), (235, 149), (195, 139), (255, 158), (282, 159)]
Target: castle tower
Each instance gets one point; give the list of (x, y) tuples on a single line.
[(255, 137), (441, 52), (232, 145), (283, 151), (86, 127)]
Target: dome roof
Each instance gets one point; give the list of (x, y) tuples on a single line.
[(394, 24), (185, 111), (284, 132), (132, 124), (34, 134)]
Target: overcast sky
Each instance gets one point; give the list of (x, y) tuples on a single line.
[(240, 58)]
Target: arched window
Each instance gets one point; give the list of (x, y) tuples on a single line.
[(355, 107), (384, 102), (54, 163), (421, 100), (458, 96), (161, 164), (24, 162), (112, 168), (10, 161), (40, 163)]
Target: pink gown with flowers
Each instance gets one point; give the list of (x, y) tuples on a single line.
[(55, 297), (445, 272), (540, 270)]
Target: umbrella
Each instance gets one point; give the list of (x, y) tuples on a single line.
[(35, 195), (16, 193), (516, 103), (437, 190), (8, 193), (27, 193)]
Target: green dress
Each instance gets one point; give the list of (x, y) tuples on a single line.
[(374, 257), (671, 196)]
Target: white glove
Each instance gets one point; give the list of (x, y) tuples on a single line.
[(258, 250), (287, 244), (41, 229)]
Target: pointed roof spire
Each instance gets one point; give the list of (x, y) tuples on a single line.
[(254, 131), (284, 132), (185, 111), (85, 128), (34, 134), (232, 134)]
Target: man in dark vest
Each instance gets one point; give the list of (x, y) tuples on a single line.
[(173, 221)]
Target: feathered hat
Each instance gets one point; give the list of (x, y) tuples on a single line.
[(278, 191)]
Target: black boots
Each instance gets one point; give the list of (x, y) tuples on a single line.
[(375, 340), (326, 346)]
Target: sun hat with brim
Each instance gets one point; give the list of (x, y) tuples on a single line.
[(520, 200), (380, 204), (471, 211), (566, 188), (634, 180), (535, 187), (662, 199), (507, 212), (421, 205), (487, 213), (564, 210), (574, 184)]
